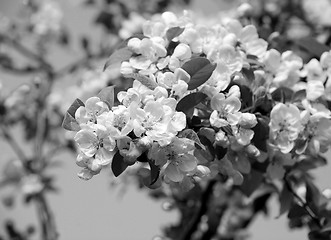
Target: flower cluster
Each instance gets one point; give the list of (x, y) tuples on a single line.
[(205, 100)]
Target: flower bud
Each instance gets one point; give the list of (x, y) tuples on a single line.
[(182, 52), (252, 151), (202, 171), (134, 44), (126, 68)]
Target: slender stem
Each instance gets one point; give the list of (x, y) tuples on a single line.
[(46, 218), (204, 200), (81, 63), (25, 51), (14, 145), (303, 203)]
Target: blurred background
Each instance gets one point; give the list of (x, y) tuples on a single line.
[(96, 209)]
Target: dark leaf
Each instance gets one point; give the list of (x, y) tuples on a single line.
[(107, 95), (260, 203), (208, 152), (313, 196), (118, 164), (252, 182), (187, 103), (248, 73), (312, 46), (299, 95), (296, 211), (246, 96), (155, 171), (282, 94), (261, 134), (200, 69), (69, 121), (317, 235), (220, 151), (118, 57), (174, 32), (307, 163), (285, 200)]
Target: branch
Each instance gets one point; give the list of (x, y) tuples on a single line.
[(204, 200), (303, 203), (81, 63), (14, 145), (46, 218), (26, 52)]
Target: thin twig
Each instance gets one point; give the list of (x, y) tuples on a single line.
[(303, 203), (26, 52), (14, 145), (204, 200), (81, 63)]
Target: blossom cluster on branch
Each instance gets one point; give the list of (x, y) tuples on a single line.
[(205, 100)]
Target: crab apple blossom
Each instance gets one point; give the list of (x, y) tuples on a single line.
[(88, 113), (177, 158), (95, 141), (226, 110), (209, 104), (285, 126)]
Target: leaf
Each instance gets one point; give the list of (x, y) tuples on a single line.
[(296, 211), (300, 95), (69, 121), (285, 200), (107, 95), (190, 134), (208, 152), (313, 196), (307, 163), (261, 134), (282, 94), (312, 46), (246, 96), (252, 182), (118, 57), (118, 164), (174, 32), (187, 103), (220, 151), (248, 73), (155, 171), (317, 235), (200, 69), (208, 133)]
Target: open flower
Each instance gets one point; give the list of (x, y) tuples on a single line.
[(117, 122), (158, 120), (226, 110), (93, 108), (285, 126), (177, 157), (96, 142)]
